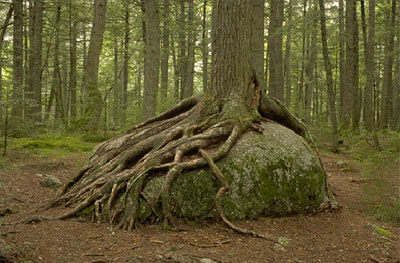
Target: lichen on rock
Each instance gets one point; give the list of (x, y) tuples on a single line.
[(273, 173)]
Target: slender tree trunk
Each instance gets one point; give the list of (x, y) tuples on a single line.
[(56, 84), (165, 53), (300, 100), (356, 91), (287, 68), (342, 75), (116, 88), (369, 43), (18, 68), (257, 41), (152, 64), (182, 59), (275, 50), (187, 90), (64, 82), (2, 34), (73, 63), (83, 95), (387, 85), (94, 103), (204, 45), (176, 66), (125, 74), (309, 68), (396, 89), (349, 65), (328, 70), (34, 83)]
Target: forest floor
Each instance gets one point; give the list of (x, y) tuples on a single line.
[(349, 234)]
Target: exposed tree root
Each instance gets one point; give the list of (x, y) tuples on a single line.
[(187, 137), (225, 187)]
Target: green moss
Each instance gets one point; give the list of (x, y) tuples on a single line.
[(85, 212), (53, 146), (273, 174), (383, 232)]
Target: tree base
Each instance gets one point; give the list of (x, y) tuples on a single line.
[(189, 137)]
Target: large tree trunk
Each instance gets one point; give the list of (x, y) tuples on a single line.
[(342, 86), (257, 42), (152, 61), (94, 102), (155, 170)]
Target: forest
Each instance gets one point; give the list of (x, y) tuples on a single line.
[(187, 131)]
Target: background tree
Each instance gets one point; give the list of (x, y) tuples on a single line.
[(152, 62), (275, 84), (18, 67), (91, 68)]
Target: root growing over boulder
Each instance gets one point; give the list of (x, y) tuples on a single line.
[(190, 136)]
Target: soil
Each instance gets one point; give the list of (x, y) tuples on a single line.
[(344, 235)]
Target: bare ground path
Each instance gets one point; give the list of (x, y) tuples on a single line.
[(347, 235)]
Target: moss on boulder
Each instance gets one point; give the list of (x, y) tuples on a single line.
[(274, 174)]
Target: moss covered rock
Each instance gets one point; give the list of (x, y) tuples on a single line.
[(274, 173)]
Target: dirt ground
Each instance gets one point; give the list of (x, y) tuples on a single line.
[(346, 235)]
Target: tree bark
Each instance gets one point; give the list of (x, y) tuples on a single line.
[(257, 42), (310, 66), (300, 94), (34, 82), (387, 85), (56, 83), (18, 68), (342, 85), (356, 92), (73, 63), (204, 45), (94, 102), (275, 50), (189, 79), (396, 89), (369, 44), (2, 34), (231, 74), (349, 80), (165, 53), (125, 74), (152, 62), (182, 57), (116, 87), (287, 59)]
